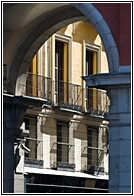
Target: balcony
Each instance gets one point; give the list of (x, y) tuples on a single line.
[(35, 157), (95, 160), (64, 166), (39, 86), (95, 170), (67, 96), (65, 156), (96, 101)]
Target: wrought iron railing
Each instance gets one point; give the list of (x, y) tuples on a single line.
[(39, 86), (68, 96), (33, 162), (95, 156), (95, 170), (35, 156), (95, 160), (65, 156), (65, 166), (96, 101)]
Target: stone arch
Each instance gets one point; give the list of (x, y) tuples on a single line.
[(38, 35), (99, 23), (34, 40)]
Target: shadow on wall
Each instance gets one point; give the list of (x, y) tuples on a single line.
[(80, 30)]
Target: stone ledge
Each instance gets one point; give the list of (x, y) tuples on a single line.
[(22, 101), (105, 80)]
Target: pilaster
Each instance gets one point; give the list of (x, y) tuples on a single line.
[(118, 88), (14, 108), (12, 120)]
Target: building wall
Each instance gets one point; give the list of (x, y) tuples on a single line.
[(78, 35), (17, 56)]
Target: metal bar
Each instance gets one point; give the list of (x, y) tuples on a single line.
[(61, 144), (93, 148), (29, 73), (33, 139), (65, 144), (72, 84)]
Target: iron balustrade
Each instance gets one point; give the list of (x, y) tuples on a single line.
[(96, 101), (95, 170), (95, 156), (68, 95), (62, 143), (35, 156), (65, 166), (65, 156), (38, 86), (33, 139)]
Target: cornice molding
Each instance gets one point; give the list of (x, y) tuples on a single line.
[(105, 80)]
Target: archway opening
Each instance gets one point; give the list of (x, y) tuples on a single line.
[(33, 41)]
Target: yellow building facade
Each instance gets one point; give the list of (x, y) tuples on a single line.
[(68, 135)]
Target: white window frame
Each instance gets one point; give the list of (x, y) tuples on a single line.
[(68, 40), (93, 48)]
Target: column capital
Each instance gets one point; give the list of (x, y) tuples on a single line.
[(14, 108), (108, 80), (13, 114)]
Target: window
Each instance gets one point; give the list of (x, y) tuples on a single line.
[(38, 82), (65, 147), (91, 66), (89, 62), (88, 71), (61, 73), (91, 58), (31, 83), (95, 147), (62, 142), (92, 136), (30, 134), (59, 60)]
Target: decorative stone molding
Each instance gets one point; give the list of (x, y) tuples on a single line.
[(30, 162), (106, 80)]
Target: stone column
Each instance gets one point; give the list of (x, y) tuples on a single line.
[(119, 139), (14, 108), (8, 161), (118, 86), (13, 117)]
